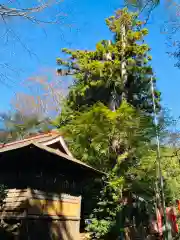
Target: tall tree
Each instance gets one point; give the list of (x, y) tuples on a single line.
[(107, 116), (115, 76), (113, 71)]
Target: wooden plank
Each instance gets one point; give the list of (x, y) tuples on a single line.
[(54, 208), (18, 215), (35, 193), (15, 190), (74, 201), (15, 199), (37, 202), (10, 214)]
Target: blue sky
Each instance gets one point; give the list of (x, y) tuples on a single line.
[(81, 28)]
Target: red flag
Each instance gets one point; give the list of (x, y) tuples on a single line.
[(171, 217), (178, 203), (159, 221)]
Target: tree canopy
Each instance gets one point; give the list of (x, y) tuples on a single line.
[(87, 117), (99, 74), (107, 117)]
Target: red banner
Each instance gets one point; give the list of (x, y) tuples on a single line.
[(159, 221), (172, 219)]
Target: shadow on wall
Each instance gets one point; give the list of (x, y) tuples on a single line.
[(27, 221)]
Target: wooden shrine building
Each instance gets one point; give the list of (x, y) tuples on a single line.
[(43, 183)]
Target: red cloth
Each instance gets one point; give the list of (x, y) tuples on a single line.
[(178, 203), (171, 216), (159, 221)]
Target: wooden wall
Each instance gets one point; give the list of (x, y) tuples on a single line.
[(54, 216)]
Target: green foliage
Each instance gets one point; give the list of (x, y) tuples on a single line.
[(119, 142), (103, 218), (98, 74), (171, 175), (145, 175), (108, 218), (102, 138)]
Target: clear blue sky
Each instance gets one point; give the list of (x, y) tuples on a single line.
[(86, 18)]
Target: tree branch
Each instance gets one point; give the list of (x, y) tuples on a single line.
[(6, 11)]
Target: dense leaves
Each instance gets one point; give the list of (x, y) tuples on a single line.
[(102, 138), (107, 121), (104, 216), (115, 69)]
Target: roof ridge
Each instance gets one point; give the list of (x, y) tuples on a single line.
[(41, 135)]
